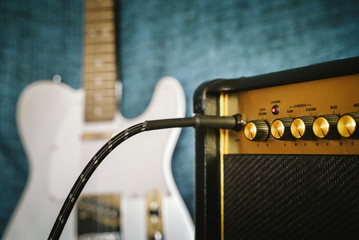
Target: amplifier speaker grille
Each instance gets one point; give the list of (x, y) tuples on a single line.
[(291, 197)]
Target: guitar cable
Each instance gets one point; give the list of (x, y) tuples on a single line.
[(234, 122)]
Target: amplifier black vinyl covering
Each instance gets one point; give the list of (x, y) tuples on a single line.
[(275, 196)]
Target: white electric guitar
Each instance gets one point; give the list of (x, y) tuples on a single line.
[(132, 195)]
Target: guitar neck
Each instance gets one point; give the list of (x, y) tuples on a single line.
[(100, 66)]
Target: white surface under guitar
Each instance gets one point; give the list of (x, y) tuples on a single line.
[(59, 143)]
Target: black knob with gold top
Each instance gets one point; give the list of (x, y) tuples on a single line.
[(256, 130), (302, 128), (280, 129), (348, 125), (325, 127)]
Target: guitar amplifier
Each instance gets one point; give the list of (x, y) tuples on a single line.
[(292, 171)]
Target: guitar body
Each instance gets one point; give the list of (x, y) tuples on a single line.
[(59, 144)]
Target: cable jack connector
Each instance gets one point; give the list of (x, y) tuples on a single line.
[(240, 122)]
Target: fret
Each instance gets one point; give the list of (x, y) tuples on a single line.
[(89, 85), (100, 83), (99, 48), (96, 35), (91, 4), (101, 76), (102, 112), (97, 97), (105, 108), (99, 32), (94, 118), (99, 66), (100, 26), (108, 58), (101, 101), (90, 93), (100, 109), (96, 39), (99, 9), (107, 15)]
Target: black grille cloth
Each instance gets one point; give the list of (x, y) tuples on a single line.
[(291, 197)]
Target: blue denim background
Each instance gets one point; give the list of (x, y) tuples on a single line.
[(192, 40)]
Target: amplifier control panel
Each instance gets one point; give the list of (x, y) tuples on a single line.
[(313, 117)]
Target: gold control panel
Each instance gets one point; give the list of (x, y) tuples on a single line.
[(313, 117)]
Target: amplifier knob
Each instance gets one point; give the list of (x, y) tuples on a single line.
[(326, 127), (301, 128), (256, 130), (348, 125), (280, 129)]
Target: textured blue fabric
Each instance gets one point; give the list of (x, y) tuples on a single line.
[(192, 40)]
